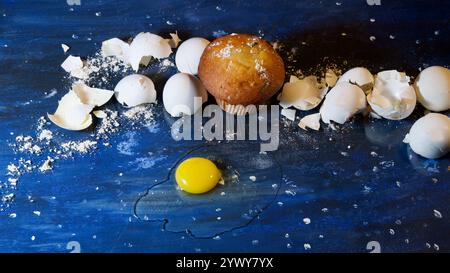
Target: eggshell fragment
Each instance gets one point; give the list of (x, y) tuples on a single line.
[(392, 96), (310, 121), (303, 94), (100, 114), (433, 88), (330, 78), (188, 55), (430, 136), (360, 76), (65, 47), (135, 90), (146, 45), (115, 47), (288, 113), (71, 113), (342, 102), (179, 94), (74, 66), (175, 40), (92, 96)]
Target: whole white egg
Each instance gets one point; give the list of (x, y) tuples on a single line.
[(430, 136), (342, 102), (360, 76), (433, 88), (180, 92), (189, 54), (135, 90)]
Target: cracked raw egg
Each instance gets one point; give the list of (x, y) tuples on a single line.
[(197, 175)]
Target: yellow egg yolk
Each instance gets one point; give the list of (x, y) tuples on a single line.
[(197, 175)]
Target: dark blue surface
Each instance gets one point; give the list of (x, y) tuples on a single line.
[(348, 201)]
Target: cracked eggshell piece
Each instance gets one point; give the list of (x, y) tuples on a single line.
[(134, 90), (288, 113), (330, 78), (342, 102), (310, 121), (65, 47), (430, 136), (189, 53), (115, 47), (92, 96), (360, 76), (303, 94), (146, 45), (392, 96), (72, 114), (433, 88), (74, 66), (179, 93), (174, 40), (100, 114)]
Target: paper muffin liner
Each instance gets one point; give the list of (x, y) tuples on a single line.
[(239, 110)]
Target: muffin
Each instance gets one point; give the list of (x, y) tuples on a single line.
[(241, 70)]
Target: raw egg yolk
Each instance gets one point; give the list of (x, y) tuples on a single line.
[(197, 175)]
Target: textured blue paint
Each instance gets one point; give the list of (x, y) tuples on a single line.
[(349, 203)]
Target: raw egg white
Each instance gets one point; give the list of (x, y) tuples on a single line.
[(433, 88), (179, 94), (189, 54), (135, 90), (430, 136)]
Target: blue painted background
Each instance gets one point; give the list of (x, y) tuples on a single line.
[(316, 175)]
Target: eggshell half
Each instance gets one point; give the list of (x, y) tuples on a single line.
[(342, 102), (392, 96), (360, 76), (433, 88), (188, 55), (135, 90), (430, 136), (71, 113), (146, 45)]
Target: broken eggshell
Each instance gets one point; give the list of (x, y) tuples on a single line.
[(433, 88), (145, 46), (302, 94), (134, 90), (179, 93), (310, 121), (188, 55), (74, 66), (92, 96), (360, 76), (71, 113), (288, 113), (392, 96), (115, 47), (174, 40), (342, 102), (330, 78), (430, 136)]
